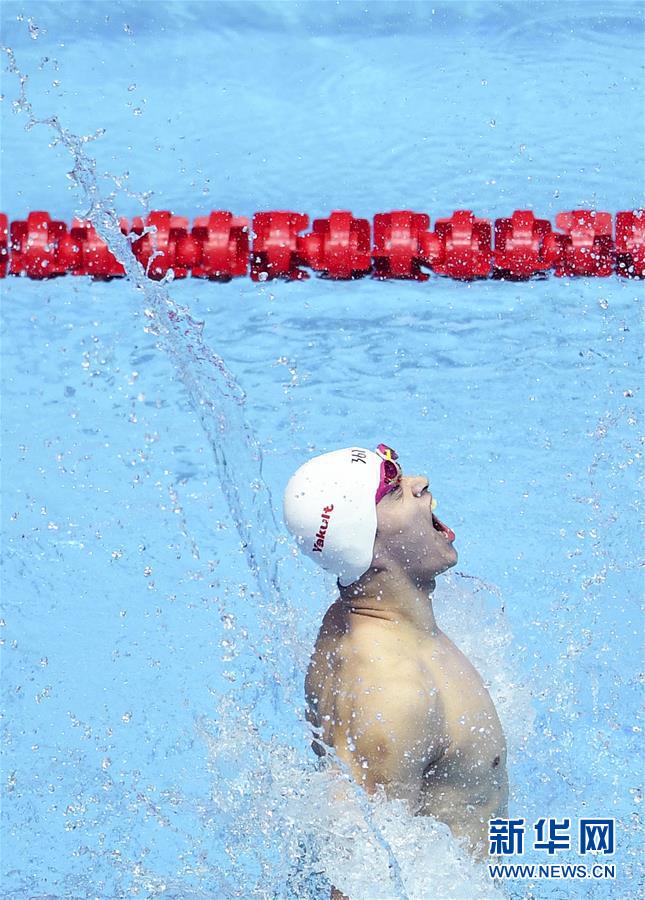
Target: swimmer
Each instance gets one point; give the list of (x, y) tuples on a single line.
[(387, 691)]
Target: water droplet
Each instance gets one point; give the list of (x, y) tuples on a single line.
[(137, 111), (132, 86)]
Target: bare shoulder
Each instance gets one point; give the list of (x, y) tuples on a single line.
[(368, 671), (357, 649), (385, 684), (365, 650), (328, 647), (335, 622)]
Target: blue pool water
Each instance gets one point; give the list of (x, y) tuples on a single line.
[(156, 624)]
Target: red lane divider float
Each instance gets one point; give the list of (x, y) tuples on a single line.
[(222, 246)]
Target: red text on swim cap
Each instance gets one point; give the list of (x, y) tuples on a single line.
[(319, 542)]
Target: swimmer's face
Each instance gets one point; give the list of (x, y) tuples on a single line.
[(409, 534)]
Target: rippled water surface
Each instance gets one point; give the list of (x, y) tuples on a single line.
[(156, 623)]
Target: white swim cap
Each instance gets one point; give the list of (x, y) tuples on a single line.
[(330, 508)]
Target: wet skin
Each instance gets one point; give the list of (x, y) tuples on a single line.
[(397, 701)]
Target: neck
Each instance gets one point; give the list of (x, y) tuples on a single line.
[(393, 596)]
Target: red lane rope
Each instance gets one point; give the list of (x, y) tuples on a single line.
[(398, 244)]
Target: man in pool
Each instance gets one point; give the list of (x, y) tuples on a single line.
[(387, 692)]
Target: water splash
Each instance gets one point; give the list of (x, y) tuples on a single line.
[(368, 847), (457, 606), (214, 393)]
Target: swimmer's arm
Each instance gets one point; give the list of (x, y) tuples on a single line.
[(388, 733), (385, 736)]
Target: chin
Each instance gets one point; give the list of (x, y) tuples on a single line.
[(448, 560)]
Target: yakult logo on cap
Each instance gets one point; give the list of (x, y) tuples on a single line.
[(319, 542)]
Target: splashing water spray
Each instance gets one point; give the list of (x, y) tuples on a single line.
[(219, 402)]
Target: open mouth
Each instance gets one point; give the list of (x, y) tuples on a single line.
[(438, 525)]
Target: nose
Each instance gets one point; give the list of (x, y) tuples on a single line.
[(418, 484)]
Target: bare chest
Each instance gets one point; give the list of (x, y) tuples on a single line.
[(471, 772), (472, 729)]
